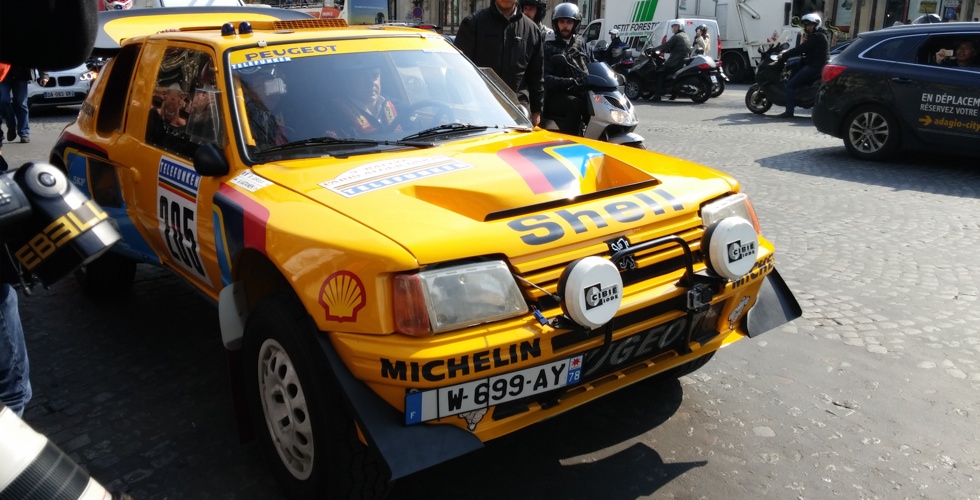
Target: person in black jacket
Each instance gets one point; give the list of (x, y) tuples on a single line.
[(502, 38), (814, 49), (679, 48), (566, 61)]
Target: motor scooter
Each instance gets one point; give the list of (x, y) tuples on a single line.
[(611, 117), (694, 79), (770, 83)]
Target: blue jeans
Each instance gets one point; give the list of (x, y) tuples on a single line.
[(803, 76), (15, 110), (15, 370)]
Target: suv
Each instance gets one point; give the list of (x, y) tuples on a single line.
[(64, 87), (404, 267), (888, 91)]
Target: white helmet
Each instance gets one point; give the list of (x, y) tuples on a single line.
[(812, 18), (614, 32), (117, 4)]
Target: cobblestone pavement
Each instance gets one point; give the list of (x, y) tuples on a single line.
[(872, 394)]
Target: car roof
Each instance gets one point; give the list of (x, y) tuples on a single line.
[(204, 25), (916, 29)]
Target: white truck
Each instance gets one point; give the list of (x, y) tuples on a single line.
[(744, 26)]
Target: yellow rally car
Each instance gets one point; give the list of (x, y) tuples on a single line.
[(404, 267)]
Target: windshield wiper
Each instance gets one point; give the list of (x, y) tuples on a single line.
[(445, 128), (320, 141), (342, 141)]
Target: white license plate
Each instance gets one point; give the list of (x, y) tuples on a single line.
[(54, 94), (483, 393), (714, 79)]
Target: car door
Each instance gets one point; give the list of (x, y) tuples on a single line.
[(173, 201), (939, 104)]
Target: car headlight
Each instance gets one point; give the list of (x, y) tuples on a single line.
[(736, 205), (88, 75), (454, 297)]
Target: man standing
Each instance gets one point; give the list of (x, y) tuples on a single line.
[(814, 49), (502, 38), (566, 61), (17, 111), (679, 48)]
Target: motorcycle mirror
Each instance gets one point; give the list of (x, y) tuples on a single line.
[(784, 46)]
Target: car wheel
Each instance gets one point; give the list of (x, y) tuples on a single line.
[(109, 274), (717, 88), (756, 100), (298, 410), (633, 89), (872, 133), (735, 66), (697, 88)]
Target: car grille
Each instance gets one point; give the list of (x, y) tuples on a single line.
[(66, 81), (545, 272)]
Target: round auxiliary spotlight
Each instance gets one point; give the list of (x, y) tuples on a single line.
[(591, 290), (731, 246)]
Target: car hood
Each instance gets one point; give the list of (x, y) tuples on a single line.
[(504, 194)]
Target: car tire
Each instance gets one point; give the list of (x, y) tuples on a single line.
[(109, 274), (633, 89), (298, 410), (717, 88), (756, 100), (872, 133), (736, 66)]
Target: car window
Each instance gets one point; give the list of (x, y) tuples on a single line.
[(362, 95), (120, 72), (186, 110), (950, 50), (896, 49), (593, 32)]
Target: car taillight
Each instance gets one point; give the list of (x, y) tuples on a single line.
[(831, 71)]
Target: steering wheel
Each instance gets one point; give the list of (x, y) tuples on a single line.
[(442, 113)]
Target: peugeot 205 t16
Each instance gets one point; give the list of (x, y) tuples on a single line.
[(404, 267)]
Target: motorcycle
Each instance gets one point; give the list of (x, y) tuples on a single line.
[(620, 60), (770, 83), (694, 80), (610, 116)]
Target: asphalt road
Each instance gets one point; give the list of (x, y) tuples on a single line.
[(872, 394)]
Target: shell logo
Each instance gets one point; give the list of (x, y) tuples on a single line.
[(342, 295)]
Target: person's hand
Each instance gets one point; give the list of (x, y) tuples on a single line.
[(42, 81), (535, 118), (940, 56)]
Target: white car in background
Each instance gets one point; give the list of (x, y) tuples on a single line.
[(64, 87)]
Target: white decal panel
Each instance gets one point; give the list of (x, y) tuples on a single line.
[(177, 189), (249, 181), (382, 174)]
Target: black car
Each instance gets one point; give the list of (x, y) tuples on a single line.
[(894, 89)]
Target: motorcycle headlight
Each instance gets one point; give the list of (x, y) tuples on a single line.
[(454, 297), (737, 205), (619, 117)]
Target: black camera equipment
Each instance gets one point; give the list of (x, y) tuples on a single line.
[(49, 226)]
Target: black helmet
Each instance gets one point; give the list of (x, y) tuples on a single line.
[(541, 5), (703, 28), (566, 11), (927, 19)]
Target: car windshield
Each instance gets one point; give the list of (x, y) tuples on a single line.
[(344, 101)]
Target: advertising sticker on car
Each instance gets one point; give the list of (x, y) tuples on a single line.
[(490, 391)]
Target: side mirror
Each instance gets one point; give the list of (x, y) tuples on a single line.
[(209, 161)]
